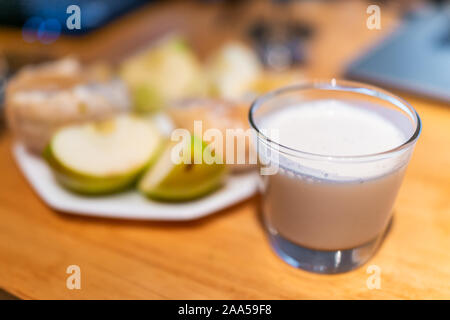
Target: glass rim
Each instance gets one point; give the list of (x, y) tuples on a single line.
[(338, 85)]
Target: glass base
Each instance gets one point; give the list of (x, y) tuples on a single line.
[(325, 262)]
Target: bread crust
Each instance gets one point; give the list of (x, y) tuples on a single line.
[(221, 115), (40, 99)]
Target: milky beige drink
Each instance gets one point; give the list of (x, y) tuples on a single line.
[(332, 157), (323, 199)]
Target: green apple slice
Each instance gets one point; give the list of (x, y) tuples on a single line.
[(167, 71), (232, 70), (103, 157), (170, 180)]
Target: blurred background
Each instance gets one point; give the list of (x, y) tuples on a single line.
[(402, 46), (320, 38)]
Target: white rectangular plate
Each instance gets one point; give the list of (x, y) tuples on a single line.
[(130, 204)]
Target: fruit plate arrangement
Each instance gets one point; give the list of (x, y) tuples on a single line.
[(94, 139), (130, 204)]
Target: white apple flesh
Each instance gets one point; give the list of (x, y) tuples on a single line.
[(168, 180), (105, 156)]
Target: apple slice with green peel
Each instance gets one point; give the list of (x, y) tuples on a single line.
[(232, 70), (103, 157), (169, 70), (175, 176)]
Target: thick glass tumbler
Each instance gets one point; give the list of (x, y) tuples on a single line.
[(333, 155)]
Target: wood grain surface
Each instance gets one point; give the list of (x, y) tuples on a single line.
[(226, 255)]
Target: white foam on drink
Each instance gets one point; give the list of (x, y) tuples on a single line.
[(335, 128)]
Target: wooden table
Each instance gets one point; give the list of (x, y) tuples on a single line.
[(226, 255)]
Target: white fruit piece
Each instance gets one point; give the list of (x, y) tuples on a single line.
[(179, 180), (104, 156), (232, 70), (167, 71)]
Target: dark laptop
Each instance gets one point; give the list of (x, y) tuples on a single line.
[(416, 57)]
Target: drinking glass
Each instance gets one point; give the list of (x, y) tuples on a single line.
[(325, 213)]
